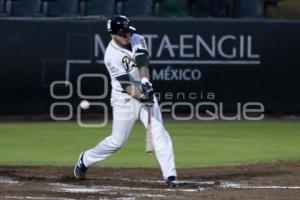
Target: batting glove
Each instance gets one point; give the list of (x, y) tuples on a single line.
[(148, 92)]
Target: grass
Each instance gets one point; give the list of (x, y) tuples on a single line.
[(195, 144)]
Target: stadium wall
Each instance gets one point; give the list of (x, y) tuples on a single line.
[(224, 62)]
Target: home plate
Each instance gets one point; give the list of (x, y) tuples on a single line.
[(198, 183)]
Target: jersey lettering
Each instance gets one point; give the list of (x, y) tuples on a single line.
[(128, 63)]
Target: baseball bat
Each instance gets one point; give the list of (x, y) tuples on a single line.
[(149, 142)]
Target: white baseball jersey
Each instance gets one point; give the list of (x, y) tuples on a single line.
[(120, 61)]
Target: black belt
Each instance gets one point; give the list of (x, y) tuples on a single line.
[(123, 91)]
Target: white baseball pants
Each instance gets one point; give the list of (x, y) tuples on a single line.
[(126, 110)]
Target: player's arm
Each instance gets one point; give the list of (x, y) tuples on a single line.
[(118, 72), (145, 78), (129, 87), (142, 62), (142, 58)]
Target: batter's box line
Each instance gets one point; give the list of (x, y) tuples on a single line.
[(201, 186), (182, 182)]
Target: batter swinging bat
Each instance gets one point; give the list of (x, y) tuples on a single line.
[(149, 143)]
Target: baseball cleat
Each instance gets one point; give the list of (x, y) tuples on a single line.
[(170, 181), (80, 169)]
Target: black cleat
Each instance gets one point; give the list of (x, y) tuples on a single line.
[(80, 169), (170, 181)]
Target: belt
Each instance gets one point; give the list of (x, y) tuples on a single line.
[(122, 91)]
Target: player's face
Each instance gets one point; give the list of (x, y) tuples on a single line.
[(122, 39)]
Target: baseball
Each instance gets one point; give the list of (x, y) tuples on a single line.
[(84, 104)]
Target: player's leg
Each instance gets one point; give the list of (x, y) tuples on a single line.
[(161, 140), (124, 117)]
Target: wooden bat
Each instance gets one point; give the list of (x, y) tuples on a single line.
[(149, 142)]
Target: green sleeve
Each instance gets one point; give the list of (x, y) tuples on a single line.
[(124, 81), (142, 58)]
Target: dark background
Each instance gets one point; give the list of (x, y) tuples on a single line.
[(35, 52)]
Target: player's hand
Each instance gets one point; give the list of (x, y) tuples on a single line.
[(147, 88), (148, 94)]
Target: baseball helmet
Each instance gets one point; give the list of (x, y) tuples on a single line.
[(119, 25)]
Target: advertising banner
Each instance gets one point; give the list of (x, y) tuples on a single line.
[(196, 65)]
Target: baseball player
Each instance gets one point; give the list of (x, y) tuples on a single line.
[(126, 59)]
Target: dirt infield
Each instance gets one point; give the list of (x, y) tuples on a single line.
[(276, 181)]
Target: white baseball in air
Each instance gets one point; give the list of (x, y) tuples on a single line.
[(85, 104)]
